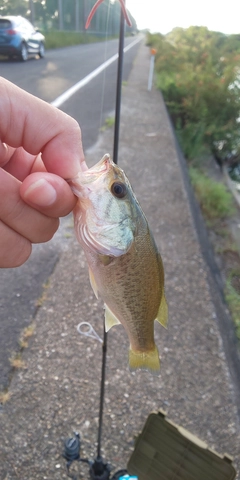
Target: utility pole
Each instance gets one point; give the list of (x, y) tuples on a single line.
[(77, 15), (60, 15), (31, 8)]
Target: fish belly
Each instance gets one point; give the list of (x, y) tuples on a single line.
[(131, 287)]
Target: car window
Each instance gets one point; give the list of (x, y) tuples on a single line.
[(5, 24)]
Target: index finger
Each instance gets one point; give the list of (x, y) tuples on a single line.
[(38, 127)]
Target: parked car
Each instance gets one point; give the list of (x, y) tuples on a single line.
[(18, 37)]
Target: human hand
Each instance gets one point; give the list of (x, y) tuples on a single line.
[(40, 146)]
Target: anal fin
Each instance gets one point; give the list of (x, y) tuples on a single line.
[(162, 316), (110, 319)]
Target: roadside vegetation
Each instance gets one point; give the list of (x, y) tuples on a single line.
[(109, 123), (233, 297), (198, 73), (215, 200), (58, 39)]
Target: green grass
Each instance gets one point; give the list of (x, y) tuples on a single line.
[(214, 198), (58, 39), (217, 204), (109, 122), (233, 300)]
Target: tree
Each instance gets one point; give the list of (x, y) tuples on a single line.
[(197, 71), (14, 7)]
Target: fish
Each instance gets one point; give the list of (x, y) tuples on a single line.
[(125, 266)]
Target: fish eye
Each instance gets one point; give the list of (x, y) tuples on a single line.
[(119, 189)]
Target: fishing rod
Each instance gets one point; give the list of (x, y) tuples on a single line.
[(100, 470), (119, 88)]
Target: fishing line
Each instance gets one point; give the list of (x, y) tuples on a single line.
[(100, 470)]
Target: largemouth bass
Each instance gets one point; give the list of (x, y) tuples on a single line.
[(125, 267)]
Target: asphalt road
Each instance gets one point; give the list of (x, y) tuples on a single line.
[(48, 78), (62, 68)]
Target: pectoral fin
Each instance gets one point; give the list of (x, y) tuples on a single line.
[(105, 259), (110, 319), (93, 282), (162, 316)]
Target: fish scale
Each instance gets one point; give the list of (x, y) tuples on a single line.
[(125, 266)]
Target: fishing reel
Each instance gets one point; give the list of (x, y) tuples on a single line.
[(98, 469), (71, 453)]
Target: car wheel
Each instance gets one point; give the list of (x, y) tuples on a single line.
[(24, 52), (41, 52)]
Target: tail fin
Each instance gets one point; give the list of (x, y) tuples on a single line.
[(144, 360)]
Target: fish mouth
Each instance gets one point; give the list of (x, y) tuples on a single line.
[(101, 167), (91, 174)]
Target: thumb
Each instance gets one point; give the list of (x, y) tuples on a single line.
[(48, 193)]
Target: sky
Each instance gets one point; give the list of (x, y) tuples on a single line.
[(163, 16)]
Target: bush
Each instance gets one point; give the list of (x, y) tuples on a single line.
[(215, 200), (198, 74)]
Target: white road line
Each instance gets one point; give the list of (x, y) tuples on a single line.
[(66, 95)]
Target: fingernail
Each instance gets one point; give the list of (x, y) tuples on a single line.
[(41, 193)]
